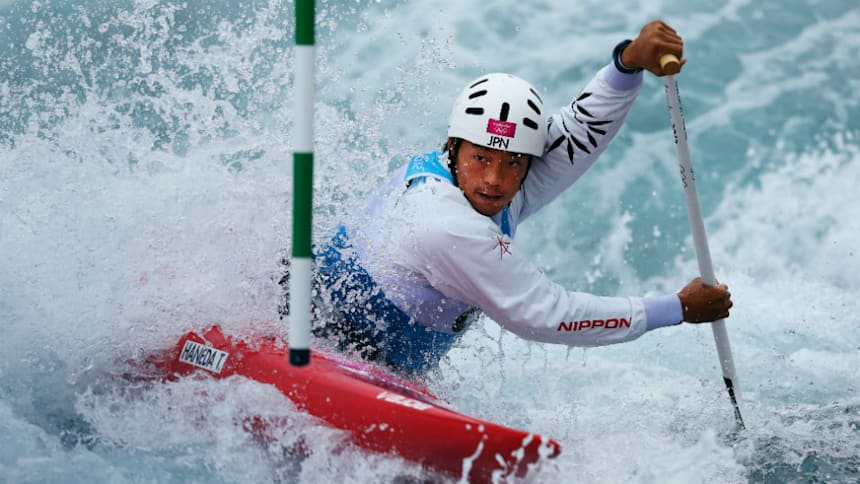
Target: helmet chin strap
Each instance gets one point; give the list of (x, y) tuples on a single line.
[(528, 169), (452, 147)]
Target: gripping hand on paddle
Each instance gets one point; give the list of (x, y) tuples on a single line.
[(702, 303), (655, 40)]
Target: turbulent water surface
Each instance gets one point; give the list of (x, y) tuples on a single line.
[(145, 184)]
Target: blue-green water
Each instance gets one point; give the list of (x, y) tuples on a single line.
[(145, 186)]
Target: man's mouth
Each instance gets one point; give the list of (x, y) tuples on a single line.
[(489, 197)]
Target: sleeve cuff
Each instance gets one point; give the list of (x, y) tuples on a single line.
[(620, 81), (662, 311)]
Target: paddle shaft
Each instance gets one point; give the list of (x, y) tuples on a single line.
[(670, 63)]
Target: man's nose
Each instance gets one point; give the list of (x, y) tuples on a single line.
[(493, 173)]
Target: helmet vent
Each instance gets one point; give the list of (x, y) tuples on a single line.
[(536, 95), (479, 82), (503, 114), (534, 106), (475, 111), (478, 94), (531, 124)]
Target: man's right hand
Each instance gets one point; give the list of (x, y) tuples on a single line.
[(702, 303)]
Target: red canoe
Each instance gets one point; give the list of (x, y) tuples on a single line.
[(382, 413)]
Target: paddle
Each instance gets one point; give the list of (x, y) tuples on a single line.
[(303, 170), (672, 66)]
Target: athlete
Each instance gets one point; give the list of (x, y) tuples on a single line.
[(434, 247)]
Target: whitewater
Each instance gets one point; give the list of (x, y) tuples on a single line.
[(145, 190)]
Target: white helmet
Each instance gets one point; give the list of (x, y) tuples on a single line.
[(500, 111)]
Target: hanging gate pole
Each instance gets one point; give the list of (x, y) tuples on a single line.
[(303, 169)]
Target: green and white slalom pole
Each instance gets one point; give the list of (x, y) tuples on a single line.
[(670, 63), (303, 183)]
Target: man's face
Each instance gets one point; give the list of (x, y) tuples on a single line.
[(489, 178)]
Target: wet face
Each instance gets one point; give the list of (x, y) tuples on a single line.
[(489, 178)]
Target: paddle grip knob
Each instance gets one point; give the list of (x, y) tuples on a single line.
[(670, 64)]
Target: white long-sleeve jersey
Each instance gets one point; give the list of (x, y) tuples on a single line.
[(427, 258)]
